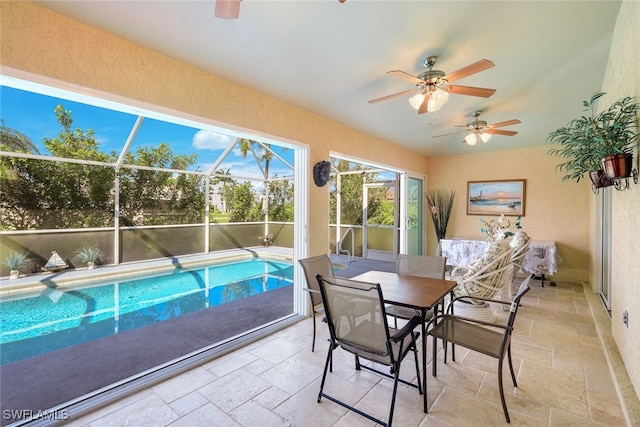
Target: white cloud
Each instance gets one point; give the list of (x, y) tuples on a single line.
[(209, 140)]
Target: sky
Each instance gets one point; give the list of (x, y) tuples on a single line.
[(33, 115)]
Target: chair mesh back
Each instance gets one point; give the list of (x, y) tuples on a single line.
[(320, 264), (354, 329), (424, 266)]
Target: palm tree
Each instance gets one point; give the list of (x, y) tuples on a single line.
[(13, 140), (262, 152), (223, 177)]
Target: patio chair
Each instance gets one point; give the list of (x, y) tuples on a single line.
[(520, 243), (320, 264), (366, 335), (491, 339), (485, 278), (416, 265)]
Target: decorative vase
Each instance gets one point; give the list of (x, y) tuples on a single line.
[(91, 265), (14, 274), (617, 165)]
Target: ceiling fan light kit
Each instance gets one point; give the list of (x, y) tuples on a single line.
[(472, 138), (435, 101), (434, 86), (479, 130)]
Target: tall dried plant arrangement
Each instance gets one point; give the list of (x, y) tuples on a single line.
[(440, 203)]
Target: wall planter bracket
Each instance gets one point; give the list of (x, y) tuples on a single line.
[(623, 183)]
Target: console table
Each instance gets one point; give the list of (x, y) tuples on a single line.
[(541, 259)]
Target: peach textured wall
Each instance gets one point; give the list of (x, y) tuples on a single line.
[(623, 79), (39, 41), (554, 210)]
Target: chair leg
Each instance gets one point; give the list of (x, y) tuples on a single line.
[(415, 355), (513, 375), (324, 373), (504, 403), (393, 396), (434, 358), (313, 342)]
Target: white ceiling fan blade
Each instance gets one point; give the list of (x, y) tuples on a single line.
[(476, 67), (384, 98), (447, 134), (406, 76), (506, 123)]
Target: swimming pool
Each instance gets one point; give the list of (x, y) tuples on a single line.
[(61, 317)]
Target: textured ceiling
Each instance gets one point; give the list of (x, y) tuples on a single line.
[(330, 58)]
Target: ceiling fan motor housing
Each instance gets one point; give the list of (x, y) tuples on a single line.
[(477, 125)]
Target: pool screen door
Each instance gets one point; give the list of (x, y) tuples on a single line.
[(380, 225)]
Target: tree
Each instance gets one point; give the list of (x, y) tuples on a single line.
[(223, 178), (78, 195), (13, 140), (281, 200), (157, 197), (243, 204), (56, 194), (350, 195)]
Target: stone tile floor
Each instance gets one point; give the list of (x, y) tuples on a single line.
[(563, 376)]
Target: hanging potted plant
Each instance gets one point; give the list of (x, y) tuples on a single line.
[(581, 157), (587, 142), (16, 261), (615, 130), (90, 255)]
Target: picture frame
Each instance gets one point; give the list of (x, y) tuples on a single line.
[(499, 197)]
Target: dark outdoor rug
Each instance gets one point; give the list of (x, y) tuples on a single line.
[(48, 380)]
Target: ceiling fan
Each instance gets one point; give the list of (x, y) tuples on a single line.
[(480, 130), (433, 86)]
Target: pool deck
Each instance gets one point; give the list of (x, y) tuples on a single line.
[(36, 282)]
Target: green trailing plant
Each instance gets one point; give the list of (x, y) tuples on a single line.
[(584, 141), (87, 254), (17, 260), (440, 203)]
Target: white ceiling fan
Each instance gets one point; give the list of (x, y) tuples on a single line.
[(479, 130), (433, 86)]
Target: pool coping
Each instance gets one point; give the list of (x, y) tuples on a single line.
[(38, 282)]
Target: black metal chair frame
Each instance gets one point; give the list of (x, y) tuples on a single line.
[(491, 339), (342, 306)]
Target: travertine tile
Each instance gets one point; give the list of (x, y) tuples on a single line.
[(233, 390), (147, 411), (188, 403), (206, 416), (563, 380), (254, 414), (183, 384)]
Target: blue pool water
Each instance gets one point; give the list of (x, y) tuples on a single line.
[(56, 319)]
